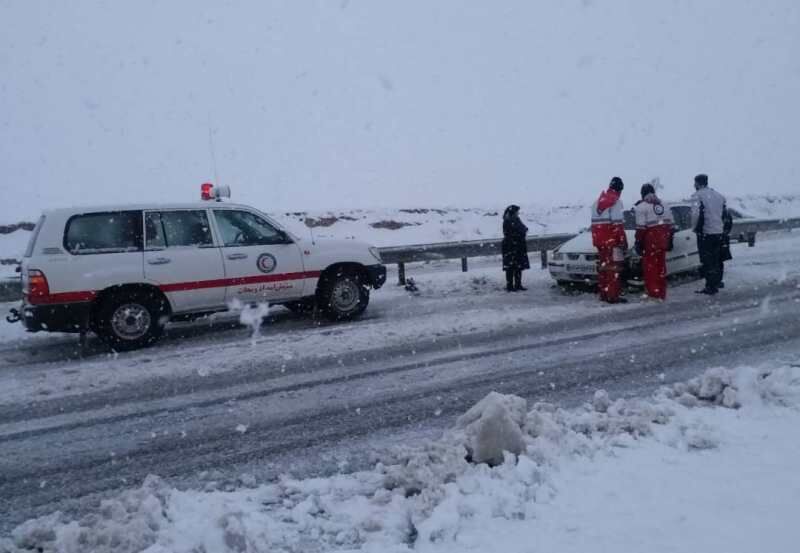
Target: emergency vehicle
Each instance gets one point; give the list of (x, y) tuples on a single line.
[(123, 272)]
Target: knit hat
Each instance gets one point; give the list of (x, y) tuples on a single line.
[(701, 180)]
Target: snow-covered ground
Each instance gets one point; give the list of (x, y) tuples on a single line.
[(708, 465), (449, 303), (569, 491)]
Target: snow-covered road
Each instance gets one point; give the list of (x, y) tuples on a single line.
[(312, 399)]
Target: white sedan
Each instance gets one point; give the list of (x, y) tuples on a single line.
[(575, 261)]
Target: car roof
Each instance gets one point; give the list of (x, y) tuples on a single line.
[(135, 207)]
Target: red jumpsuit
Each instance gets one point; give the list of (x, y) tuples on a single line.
[(654, 236), (608, 236)]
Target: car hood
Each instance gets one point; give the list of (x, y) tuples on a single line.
[(583, 243), (336, 244)]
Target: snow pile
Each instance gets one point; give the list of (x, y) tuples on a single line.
[(493, 427), (431, 497), (130, 522), (716, 387)]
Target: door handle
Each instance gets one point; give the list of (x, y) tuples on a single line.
[(159, 261), (234, 256)]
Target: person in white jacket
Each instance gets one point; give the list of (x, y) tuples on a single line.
[(708, 207)]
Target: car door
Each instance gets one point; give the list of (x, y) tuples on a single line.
[(684, 256), (181, 258), (262, 262)]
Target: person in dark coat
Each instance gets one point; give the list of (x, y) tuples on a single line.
[(725, 251), (515, 248)]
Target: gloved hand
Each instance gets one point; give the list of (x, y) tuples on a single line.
[(638, 248)]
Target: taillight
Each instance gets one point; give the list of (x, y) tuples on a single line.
[(38, 289)]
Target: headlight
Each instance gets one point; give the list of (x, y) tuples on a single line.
[(558, 256), (376, 253)]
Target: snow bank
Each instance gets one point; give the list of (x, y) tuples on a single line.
[(429, 497)]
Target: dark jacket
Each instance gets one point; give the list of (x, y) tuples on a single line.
[(515, 245), (727, 226)]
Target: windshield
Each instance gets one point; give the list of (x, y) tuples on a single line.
[(681, 215)]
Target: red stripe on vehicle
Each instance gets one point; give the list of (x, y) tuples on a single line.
[(89, 295), (62, 297), (236, 281)]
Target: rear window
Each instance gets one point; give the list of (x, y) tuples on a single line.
[(682, 215), (109, 232), (34, 236)]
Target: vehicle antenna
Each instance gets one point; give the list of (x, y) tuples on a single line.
[(656, 182), (211, 148)]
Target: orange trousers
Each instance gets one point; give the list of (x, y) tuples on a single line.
[(609, 275), (654, 267)]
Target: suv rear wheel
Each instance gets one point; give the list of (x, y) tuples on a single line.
[(343, 296), (129, 320)]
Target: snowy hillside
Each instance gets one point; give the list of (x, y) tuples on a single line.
[(395, 227)]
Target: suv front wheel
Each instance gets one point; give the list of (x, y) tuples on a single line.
[(343, 296), (130, 320)]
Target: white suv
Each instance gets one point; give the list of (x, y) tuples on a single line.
[(124, 271)]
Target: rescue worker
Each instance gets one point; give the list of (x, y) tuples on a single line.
[(708, 207), (514, 248), (608, 236), (654, 228)]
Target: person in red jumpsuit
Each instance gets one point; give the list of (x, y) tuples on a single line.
[(654, 228), (608, 236)]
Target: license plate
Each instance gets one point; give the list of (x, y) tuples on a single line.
[(582, 268)]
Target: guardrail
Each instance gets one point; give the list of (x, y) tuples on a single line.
[(400, 255), (744, 230), (752, 226)]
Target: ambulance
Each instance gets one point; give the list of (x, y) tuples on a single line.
[(125, 271)]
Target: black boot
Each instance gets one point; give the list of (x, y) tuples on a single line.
[(518, 281), (509, 280)]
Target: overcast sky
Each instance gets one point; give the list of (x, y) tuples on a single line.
[(356, 103)]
